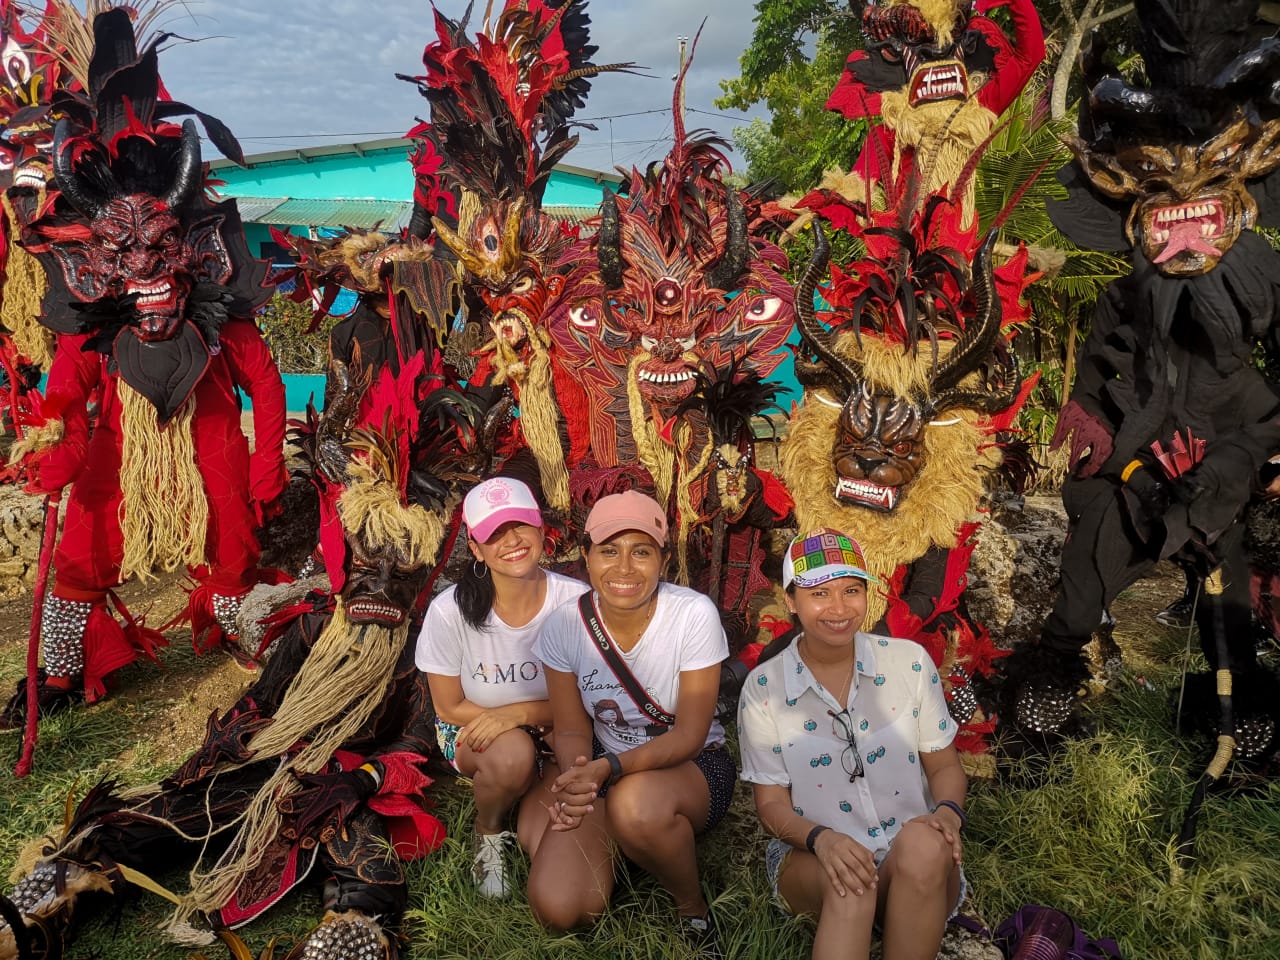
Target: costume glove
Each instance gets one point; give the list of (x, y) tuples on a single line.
[(324, 801)]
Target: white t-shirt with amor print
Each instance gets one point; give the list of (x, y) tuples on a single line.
[(684, 634), (496, 665)]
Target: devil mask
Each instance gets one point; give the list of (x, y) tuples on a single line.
[(1175, 167), (133, 250)]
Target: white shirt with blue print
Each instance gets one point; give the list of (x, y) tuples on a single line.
[(789, 737)]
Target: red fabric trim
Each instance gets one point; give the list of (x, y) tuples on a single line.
[(414, 832), (776, 496), (110, 645)]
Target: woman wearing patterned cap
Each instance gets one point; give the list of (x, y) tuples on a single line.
[(846, 740), (633, 671), (476, 648)]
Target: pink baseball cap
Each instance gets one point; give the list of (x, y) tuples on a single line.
[(496, 501), (631, 510)]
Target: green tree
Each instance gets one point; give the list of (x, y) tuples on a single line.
[(797, 54)]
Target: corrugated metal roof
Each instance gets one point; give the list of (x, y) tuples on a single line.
[(255, 209), (390, 216), (572, 214), (386, 215)]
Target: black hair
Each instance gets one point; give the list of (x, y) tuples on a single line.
[(474, 595)]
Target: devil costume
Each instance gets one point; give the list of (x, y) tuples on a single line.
[(501, 111), (1170, 419), (151, 291), (910, 381), (318, 765), (937, 79)]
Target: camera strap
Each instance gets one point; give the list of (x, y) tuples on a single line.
[(613, 659)]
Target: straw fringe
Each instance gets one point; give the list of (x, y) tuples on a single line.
[(25, 285), (164, 512), (36, 440), (944, 494), (372, 508), (689, 516), (338, 687), (538, 424), (658, 458), (945, 135)]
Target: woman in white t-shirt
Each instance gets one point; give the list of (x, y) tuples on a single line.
[(476, 648), (641, 761), (846, 740)]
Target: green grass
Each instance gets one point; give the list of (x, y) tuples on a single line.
[(1096, 839)]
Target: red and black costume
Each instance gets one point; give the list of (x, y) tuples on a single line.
[(936, 79), (319, 765), (151, 292)]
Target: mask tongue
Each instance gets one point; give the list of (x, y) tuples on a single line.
[(1186, 236)]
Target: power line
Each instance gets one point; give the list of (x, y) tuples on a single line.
[(400, 133)]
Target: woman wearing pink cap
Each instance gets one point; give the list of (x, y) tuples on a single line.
[(847, 742), (633, 672), (476, 648)]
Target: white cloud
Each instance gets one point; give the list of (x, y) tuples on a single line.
[(280, 73)]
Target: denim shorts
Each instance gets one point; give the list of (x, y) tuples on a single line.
[(718, 767)]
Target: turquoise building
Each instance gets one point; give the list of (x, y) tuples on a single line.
[(367, 185)]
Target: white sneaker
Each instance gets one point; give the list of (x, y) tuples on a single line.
[(490, 866)]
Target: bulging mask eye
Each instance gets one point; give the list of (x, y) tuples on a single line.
[(1226, 153), (586, 316), (764, 309)]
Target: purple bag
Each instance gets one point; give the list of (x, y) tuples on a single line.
[(1043, 933)]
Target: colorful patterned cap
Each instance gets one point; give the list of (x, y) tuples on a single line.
[(821, 555)]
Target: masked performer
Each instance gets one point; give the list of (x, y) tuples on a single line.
[(407, 295), (676, 280), (317, 766), (742, 501), (1169, 418), (500, 119), (151, 290), (909, 384), (28, 75), (937, 79)]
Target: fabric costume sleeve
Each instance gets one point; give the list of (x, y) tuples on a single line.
[(419, 733), (937, 729), (255, 372), (759, 742), (1014, 63), (72, 377), (1226, 479)]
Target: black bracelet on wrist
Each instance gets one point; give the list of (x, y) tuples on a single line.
[(955, 808), (812, 838), (615, 766)]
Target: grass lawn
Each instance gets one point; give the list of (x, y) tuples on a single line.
[(1095, 839)]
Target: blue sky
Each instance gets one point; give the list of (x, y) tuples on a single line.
[(285, 74)]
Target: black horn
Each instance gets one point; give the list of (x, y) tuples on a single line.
[(737, 248), (979, 337), (819, 339), (186, 178), (609, 245), (81, 194)]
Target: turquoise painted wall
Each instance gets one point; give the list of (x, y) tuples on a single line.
[(378, 175)]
